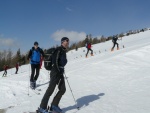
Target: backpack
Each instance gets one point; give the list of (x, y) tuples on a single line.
[(48, 58), (36, 54), (89, 46), (113, 39)]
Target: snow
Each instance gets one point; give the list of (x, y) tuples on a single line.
[(108, 82)]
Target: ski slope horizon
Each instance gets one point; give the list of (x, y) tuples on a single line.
[(108, 82)]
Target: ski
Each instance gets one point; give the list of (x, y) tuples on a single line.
[(55, 112), (39, 112), (36, 91), (29, 112), (34, 112)]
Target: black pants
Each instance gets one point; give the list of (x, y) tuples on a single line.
[(88, 51), (34, 67), (5, 73), (54, 80), (115, 43), (16, 70)]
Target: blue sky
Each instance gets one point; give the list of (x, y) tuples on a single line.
[(24, 21)]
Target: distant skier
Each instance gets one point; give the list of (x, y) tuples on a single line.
[(88, 46), (59, 61), (17, 67), (114, 40), (34, 57), (5, 70)]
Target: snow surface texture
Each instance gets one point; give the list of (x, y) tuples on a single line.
[(108, 82)]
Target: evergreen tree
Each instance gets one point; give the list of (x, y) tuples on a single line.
[(95, 40)]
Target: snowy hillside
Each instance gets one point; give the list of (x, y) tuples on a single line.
[(108, 82)]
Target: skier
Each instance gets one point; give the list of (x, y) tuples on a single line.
[(5, 70), (17, 67), (89, 49), (114, 40), (34, 58), (56, 78)]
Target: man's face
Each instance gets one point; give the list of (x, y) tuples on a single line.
[(36, 46), (65, 43)]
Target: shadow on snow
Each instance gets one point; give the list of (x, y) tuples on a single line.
[(84, 101)]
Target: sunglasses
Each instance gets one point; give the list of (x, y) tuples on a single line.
[(67, 40)]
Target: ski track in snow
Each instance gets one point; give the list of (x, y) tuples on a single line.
[(108, 82)]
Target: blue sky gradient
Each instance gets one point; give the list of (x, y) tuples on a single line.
[(24, 21)]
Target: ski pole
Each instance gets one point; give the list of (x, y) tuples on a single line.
[(21, 69), (29, 79), (122, 42), (72, 92)]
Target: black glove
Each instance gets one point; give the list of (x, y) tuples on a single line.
[(61, 70), (61, 76)]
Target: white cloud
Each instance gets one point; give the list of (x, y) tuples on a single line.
[(8, 42), (68, 9), (72, 35)]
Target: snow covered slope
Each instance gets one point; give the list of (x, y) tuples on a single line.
[(108, 82)]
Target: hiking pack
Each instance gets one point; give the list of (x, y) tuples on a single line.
[(36, 55), (48, 58)]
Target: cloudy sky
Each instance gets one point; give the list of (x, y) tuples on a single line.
[(24, 21)]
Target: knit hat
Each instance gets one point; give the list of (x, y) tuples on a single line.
[(36, 43), (64, 38)]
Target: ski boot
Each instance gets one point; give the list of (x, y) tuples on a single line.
[(32, 85), (117, 48), (92, 54), (112, 49), (56, 109), (40, 110)]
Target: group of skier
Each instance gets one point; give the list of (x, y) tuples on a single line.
[(89, 46), (6, 68), (59, 61)]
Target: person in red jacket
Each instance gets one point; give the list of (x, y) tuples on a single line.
[(89, 49), (17, 67), (5, 70)]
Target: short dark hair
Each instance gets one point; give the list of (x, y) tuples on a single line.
[(36, 43), (64, 38)]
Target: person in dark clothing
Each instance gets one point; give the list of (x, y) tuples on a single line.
[(5, 70), (17, 67), (89, 49), (59, 61), (34, 56), (114, 40)]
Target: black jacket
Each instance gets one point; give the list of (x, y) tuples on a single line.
[(59, 59), (114, 39)]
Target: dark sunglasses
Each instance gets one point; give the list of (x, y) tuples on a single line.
[(67, 40)]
